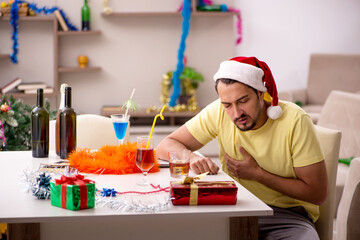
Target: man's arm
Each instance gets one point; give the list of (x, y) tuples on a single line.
[(310, 185), (182, 138)]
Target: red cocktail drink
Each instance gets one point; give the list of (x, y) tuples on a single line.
[(145, 159)]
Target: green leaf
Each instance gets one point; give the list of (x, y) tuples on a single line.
[(189, 73)]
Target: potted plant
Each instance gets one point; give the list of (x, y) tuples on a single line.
[(189, 80)]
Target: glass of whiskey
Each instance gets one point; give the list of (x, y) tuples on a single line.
[(179, 163)]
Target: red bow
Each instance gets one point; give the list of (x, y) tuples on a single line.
[(76, 179)]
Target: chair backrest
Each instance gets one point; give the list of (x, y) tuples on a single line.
[(330, 145), (341, 111), (348, 215), (92, 131), (329, 72)]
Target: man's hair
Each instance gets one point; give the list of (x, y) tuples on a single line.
[(228, 81)]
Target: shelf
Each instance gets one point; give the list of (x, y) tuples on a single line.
[(23, 95), (213, 14), (141, 117), (77, 69), (78, 33), (4, 56), (33, 18), (165, 14), (141, 14)]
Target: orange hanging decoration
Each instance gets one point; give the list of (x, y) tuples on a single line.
[(108, 160)]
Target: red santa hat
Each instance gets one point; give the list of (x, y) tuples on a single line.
[(254, 73)]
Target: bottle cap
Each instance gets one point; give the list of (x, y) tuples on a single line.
[(63, 86)]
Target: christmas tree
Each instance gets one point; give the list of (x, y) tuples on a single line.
[(15, 130)]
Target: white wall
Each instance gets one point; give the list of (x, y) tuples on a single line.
[(134, 52), (284, 34)]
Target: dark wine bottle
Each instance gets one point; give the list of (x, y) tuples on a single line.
[(40, 127), (85, 17), (67, 127), (57, 124)]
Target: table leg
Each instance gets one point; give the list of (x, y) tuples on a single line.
[(23, 231), (244, 228)]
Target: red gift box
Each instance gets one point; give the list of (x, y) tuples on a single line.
[(204, 193)]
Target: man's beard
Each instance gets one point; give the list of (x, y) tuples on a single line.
[(245, 128)]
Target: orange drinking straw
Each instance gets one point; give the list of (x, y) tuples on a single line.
[(152, 128)]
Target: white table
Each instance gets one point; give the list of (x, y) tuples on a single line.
[(177, 222)]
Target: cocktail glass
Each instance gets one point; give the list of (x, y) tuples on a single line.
[(120, 122), (144, 157)]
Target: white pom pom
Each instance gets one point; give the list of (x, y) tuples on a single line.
[(274, 112)]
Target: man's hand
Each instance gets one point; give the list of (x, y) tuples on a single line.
[(310, 185), (245, 169), (201, 164)]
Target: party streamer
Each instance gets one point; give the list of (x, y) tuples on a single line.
[(14, 18), (186, 14)]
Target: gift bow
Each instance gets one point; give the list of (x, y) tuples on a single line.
[(191, 180), (108, 192), (194, 189), (76, 179)]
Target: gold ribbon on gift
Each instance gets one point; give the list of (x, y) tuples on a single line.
[(194, 189)]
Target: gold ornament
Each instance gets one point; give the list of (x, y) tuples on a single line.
[(188, 92), (108, 10)]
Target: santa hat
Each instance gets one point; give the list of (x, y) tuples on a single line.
[(254, 73)]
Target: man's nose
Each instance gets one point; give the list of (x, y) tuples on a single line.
[(238, 111)]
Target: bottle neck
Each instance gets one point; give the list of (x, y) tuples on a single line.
[(40, 98), (68, 97), (85, 2)]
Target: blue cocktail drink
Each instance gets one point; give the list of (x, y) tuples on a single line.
[(120, 122), (120, 129)]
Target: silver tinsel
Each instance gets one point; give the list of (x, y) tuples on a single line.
[(153, 199), (37, 182), (150, 202), (30, 183)]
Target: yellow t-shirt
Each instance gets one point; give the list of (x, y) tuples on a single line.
[(278, 146)]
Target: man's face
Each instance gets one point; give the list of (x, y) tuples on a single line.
[(242, 104)]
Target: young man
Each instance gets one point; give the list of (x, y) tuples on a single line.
[(270, 148)]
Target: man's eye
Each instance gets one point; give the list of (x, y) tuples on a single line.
[(244, 101), (226, 105)]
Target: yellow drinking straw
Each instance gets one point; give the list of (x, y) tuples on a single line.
[(152, 128)]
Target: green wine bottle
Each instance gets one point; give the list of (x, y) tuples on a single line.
[(57, 123), (40, 127), (67, 127), (85, 17)]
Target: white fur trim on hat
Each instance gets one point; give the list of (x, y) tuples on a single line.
[(241, 72), (274, 112)]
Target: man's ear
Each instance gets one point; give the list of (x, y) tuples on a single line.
[(260, 94)]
